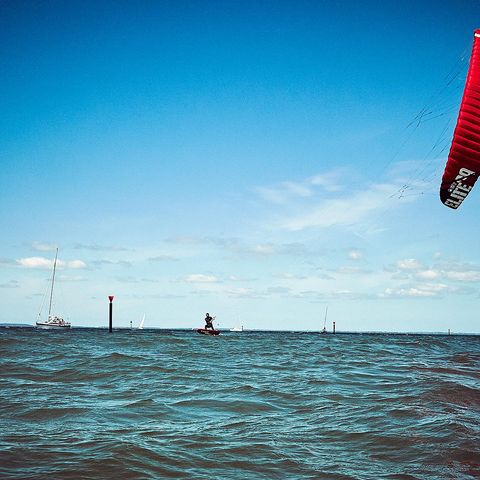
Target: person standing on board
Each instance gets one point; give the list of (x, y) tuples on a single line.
[(208, 322)]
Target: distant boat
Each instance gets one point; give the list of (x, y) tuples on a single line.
[(237, 329), (324, 329), (140, 326), (53, 322)]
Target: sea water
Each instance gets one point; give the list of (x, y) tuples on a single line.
[(149, 404)]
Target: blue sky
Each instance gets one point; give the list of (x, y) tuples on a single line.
[(258, 161)]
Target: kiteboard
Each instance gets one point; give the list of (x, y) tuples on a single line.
[(205, 331)]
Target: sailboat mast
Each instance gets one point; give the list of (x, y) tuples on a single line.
[(325, 321), (53, 281)]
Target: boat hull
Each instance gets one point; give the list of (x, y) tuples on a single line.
[(46, 326)]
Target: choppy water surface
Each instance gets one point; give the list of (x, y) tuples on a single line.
[(175, 404)]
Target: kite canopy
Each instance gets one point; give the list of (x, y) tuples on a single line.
[(463, 164)]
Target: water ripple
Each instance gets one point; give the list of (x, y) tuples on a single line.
[(174, 404)]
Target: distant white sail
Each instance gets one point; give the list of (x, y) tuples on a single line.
[(53, 321), (140, 327), (324, 330)]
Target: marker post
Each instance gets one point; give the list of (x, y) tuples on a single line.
[(110, 297)]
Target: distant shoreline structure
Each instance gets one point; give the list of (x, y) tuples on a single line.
[(186, 329)]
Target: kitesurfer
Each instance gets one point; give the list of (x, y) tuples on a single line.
[(208, 322)]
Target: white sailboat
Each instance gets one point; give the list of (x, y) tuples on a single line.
[(53, 322), (324, 329), (140, 326)]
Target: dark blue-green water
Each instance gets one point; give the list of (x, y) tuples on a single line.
[(85, 404)]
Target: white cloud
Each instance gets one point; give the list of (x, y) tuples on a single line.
[(200, 278), (265, 249), (69, 278), (278, 290), (235, 278), (128, 279), (461, 272), (467, 276), (339, 293), (35, 262), (407, 292), (352, 271), (409, 264), (122, 263), (242, 292), (421, 277), (400, 275), (297, 189), (328, 181), (293, 249), (286, 191), (76, 264), (428, 274), (355, 254), (324, 276), (185, 239), (258, 250), (271, 195), (163, 258), (44, 247), (46, 263), (166, 296), (347, 211), (428, 290), (97, 248), (290, 276)]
